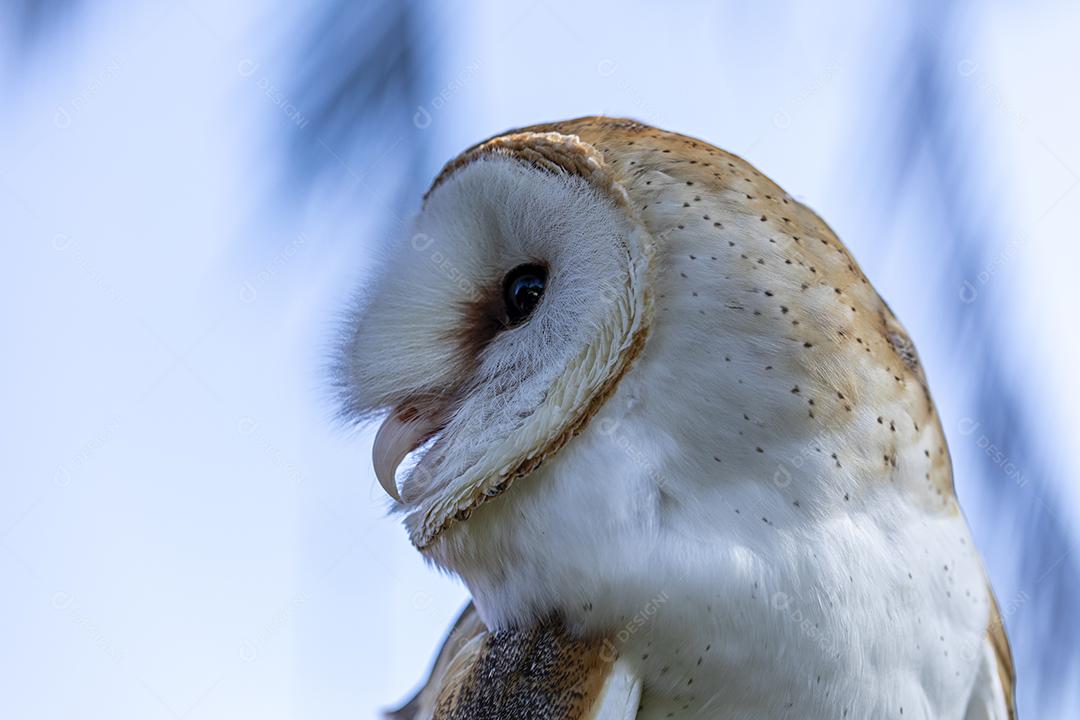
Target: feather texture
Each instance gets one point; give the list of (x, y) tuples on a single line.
[(540, 673), (736, 472)]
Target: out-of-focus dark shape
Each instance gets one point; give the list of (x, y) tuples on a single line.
[(30, 21), (926, 144), (359, 77)]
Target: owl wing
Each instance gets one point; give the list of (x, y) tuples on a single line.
[(538, 672), (467, 627), (994, 694)]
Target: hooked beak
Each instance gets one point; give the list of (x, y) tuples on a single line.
[(402, 432)]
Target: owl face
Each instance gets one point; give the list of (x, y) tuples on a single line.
[(493, 333)]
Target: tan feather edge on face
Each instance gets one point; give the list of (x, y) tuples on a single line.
[(549, 151), (561, 154), (572, 429)]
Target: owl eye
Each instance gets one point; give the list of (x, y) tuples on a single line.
[(522, 289)]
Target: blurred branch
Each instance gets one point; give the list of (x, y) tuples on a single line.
[(31, 21), (358, 77)]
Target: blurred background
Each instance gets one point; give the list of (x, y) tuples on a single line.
[(190, 191)]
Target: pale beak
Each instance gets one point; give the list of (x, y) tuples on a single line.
[(396, 439)]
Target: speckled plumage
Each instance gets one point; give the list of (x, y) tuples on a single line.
[(761, 453), (541, 672)]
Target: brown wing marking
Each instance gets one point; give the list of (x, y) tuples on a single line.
[(539, 672), (465, 628)]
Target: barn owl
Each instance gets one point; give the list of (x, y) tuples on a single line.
[(680, 452)]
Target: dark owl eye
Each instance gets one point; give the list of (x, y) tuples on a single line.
[(522, 290)]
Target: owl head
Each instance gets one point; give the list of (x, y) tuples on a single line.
[(497, 328), (601, 285)]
